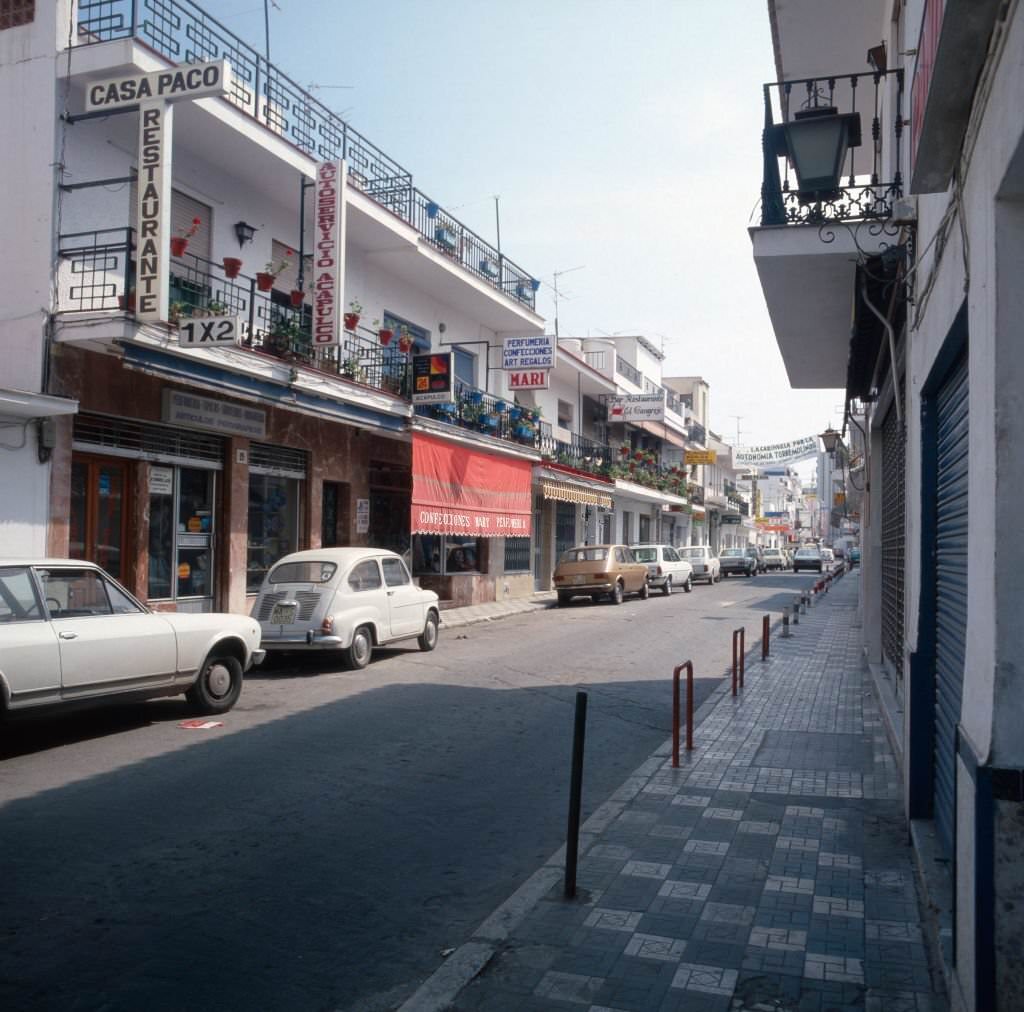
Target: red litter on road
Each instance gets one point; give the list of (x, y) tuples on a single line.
[(200, 725)]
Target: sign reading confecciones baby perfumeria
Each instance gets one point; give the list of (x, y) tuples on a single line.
[(329, 253), (154, 95)]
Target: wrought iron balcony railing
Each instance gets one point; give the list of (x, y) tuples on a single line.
[(629, 371), (479, 411), (183, 32), (862, 194), (579, 452)]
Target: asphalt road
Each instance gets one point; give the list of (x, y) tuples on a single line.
[(322, 848)]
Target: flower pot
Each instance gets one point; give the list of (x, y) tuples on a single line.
[(405, 345), (178, 245), (515, 413), (232, 267), (297, 297), (351, 321), (385, 336), (476, 397), (126, 302), (264, 281)]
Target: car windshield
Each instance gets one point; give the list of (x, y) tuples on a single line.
[(584, 555), (312, 571), (691, 553), (645, 554), (731, 553)]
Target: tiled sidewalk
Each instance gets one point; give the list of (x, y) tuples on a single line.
[(770, 872)]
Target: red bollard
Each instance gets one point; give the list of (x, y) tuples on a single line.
[(766, 629), (688, 665)]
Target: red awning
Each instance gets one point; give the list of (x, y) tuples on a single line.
[(459, 490)]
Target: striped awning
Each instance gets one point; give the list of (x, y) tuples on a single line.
[(565, 491)]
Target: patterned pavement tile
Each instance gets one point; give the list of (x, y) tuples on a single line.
[(655, 947), (708, 979), (613, 920)]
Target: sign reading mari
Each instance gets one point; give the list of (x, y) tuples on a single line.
[(777, 453)]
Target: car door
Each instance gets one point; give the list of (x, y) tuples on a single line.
[(367, 599), (405, 607), (107, 640), (29, 651)]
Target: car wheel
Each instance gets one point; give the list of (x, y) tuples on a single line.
[(218, 686), (666, 587), (428, 638), (617, 594), (645, 592), (563, 599), (688, 586), (717, 579), (357, 654), (596, 598)]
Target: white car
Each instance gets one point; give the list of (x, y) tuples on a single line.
[(69, 632), (705, 563), (665, 568), (348, 600)]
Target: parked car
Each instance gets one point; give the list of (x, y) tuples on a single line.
[(775, 558), (855, 556), (665, 569), (600, 571), (347, 600), (71, 633), (739, 562), (706, 565), (808, 557), (828, 557)]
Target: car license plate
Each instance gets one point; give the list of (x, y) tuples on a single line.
[(283, 614), (579, 578)]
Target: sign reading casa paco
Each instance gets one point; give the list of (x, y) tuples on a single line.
[(154, 94)]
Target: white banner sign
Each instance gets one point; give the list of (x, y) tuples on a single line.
[(209, 330), (519, 353), (534, 379), (329, 253), (637, 408), (777, 454)]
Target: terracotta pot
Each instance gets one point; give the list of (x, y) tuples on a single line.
[(385, 336), (126, 302), (264, 281), (405, 345), (351, 321), (232, 266), (298, 297), (178, 245)]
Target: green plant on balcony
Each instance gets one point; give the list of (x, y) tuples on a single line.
[(352, 369), (286, 339)]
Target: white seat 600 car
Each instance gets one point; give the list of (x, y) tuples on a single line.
[(345, 599), (70, 633)]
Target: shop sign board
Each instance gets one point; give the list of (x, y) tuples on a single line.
[(528, 353), (196, 331), (699, 457), (777, 454), (197, 80), (532, 379), (196, 412), (329, 253), (362, 516), (730, 519), (432, 376), (637, 408), (161, 480)]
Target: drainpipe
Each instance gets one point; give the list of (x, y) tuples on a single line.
[(892, 348)]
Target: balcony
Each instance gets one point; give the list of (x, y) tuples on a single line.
[(579, 453), (629, 372), (476, 410), (182, 32), (808, 246)]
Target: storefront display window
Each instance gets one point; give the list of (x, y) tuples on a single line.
[(181, 532), (446, 554), (273, 524)]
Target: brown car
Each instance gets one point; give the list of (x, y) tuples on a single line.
[(599, 571)]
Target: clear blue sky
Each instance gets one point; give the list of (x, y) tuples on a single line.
[(623, 135)]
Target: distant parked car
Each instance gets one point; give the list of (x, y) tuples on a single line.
[(808, 557), (775, 558), (70, 633), (348, 600), (828, 557), (600, 571), (665, 569), (739, 562), (706, 565), (855, 556)]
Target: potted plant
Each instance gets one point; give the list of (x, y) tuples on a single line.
[(405, 340), (444, 236), (283, 338), (126, 302), (297, 297), (179, 243), (515, 413), (353, 314), (489, 268), (176, 310), (352, 369), (232, 267), (384, 333), (265, 279), (625, 450)]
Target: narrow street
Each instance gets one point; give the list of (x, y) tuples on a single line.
[(342, 829)]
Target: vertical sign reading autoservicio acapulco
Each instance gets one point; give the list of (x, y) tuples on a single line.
[(328, 252), (153, 94)]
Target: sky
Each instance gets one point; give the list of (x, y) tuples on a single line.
[(623, 137)]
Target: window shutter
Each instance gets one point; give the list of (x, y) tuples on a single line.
[(288, 279), (183, 209)]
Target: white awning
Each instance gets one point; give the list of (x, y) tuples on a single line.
[(23, 404)]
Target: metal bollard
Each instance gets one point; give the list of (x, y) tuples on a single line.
[(766, 631), (796, 611), (688, 667), (572, 843), (785, 622), (738, 661)]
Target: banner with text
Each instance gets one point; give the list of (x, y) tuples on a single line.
[(637, 408), (328, 253), (777, 454)]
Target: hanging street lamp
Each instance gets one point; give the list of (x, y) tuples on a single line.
[(816, 141)]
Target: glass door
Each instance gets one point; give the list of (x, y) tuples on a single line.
[(98, 513)]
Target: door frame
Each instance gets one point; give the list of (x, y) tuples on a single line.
[(127, 466)]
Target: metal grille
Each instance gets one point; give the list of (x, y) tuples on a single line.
[(894, 533), (146, 440), (282, 461), (565, 526), (950, 588), (517, 555), (307, 599)]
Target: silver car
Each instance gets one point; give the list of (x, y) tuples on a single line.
[(705, 563), (666, 569)]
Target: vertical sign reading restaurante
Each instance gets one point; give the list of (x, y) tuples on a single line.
[(329, 253), (152, 94)]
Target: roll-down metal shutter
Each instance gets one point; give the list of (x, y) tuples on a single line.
[(952, 418), (894, 534)]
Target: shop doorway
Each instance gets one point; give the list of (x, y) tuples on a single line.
[(99, 513)]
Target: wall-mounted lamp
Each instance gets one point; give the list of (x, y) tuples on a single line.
[(877, 59), (244, 232), (816, 141), (830, 439)]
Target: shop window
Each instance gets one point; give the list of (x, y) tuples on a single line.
[(98, 513), (465, 366), (330, 515), (273, 524), (645, 529), (565, 414), (517, 555), (442, 554), (181, 532)]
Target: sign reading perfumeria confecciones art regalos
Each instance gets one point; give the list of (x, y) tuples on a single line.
[(777, 454), (154, 95), (329, 253)]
